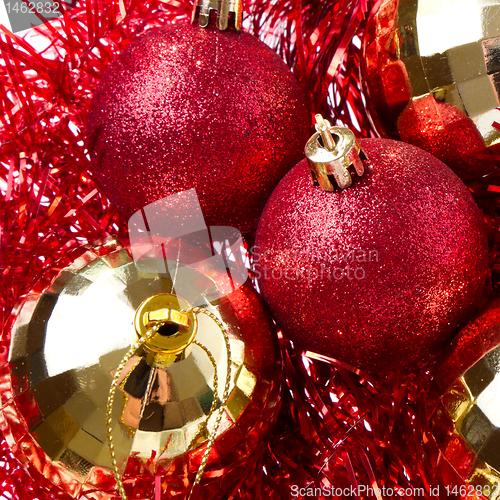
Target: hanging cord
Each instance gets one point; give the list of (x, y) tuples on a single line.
[(213, 435), (211, 440)]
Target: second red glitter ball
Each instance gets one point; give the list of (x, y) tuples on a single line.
[(379, 274), (186, 107)]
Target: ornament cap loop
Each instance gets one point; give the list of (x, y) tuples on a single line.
[(165, 316), (203, 8), (333, 152), (176, 327)]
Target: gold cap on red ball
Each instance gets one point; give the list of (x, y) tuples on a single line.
[(332, 152), (224, 9)]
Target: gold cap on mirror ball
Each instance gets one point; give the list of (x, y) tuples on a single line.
[(68, 342), (177, 326), (149, 321)]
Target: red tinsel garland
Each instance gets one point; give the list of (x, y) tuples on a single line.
[(50, 203), (343, 433), (338, 428)]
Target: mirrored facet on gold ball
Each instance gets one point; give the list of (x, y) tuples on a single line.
[(431, 72), (208, 375)]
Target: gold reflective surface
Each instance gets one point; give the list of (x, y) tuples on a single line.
[(333, 152), (67, 343), (470, 411), (203, 8), (449, 49), (177, 329)]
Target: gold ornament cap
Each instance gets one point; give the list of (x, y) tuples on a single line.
[(203, 8), (176, 326), (332, 152)]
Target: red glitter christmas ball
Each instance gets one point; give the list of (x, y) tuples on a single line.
[(186, 107), (379, 274), (447, 133)]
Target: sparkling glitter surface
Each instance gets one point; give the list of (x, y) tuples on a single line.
[(187, 107), (378, 275), (447, 133)]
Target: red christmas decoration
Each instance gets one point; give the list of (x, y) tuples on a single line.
[(186, 107), (337, 427), (427, 71), (380, 274), (448, 134)]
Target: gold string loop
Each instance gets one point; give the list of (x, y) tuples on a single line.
[(114, 385)]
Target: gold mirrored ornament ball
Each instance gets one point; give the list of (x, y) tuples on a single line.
[(431, 72), (465, 421), (181, 389)]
